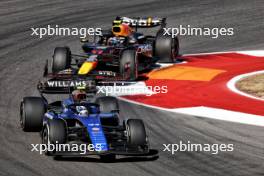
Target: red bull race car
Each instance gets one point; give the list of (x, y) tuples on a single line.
[(119, 54)]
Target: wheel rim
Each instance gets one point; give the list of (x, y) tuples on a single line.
[(173, 49), (127, 71), (136, 66), (45, 135), (128, 134), (45, 138)]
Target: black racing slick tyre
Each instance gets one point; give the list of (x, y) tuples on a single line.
[(57, 131), (54, 132), (136, 132), (128, 64), (107, 104), (61, 59), (166, 48), (32, 110)]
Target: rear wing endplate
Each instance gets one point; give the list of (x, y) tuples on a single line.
[(141, 22)]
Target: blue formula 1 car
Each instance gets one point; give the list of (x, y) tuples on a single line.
[(78, 121)]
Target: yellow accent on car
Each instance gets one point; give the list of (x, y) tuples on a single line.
[(86, 68), (149, 21), (80, 88), (117, 22)]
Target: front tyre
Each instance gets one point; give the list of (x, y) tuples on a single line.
[(57, 131), (61, 59), (136, 133), (128, 64), (54, 132)]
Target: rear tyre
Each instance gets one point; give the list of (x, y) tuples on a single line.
[(166, 48), (107, 104), (61, 59), (32, 110), (128, 65), (136, 132)]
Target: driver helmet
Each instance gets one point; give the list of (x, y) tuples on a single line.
[(78, 95), (122, 30), (82, 110)]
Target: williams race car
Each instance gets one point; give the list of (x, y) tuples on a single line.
[(118, 54), (79, 121)]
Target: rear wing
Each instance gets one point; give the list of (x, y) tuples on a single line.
[(64, 83), (141, 22)]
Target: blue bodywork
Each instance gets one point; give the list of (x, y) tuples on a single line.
[(92, 122)]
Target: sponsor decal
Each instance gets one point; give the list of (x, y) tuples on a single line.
[(106, 73), (94, 124), (145, 48), (68, 83), (141, 21), (95, 129)]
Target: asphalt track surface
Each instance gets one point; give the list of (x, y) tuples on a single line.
[(22, 57)]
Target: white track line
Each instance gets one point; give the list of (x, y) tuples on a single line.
[(232, 84), (212, 113), (222, 114), (257, 53)]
